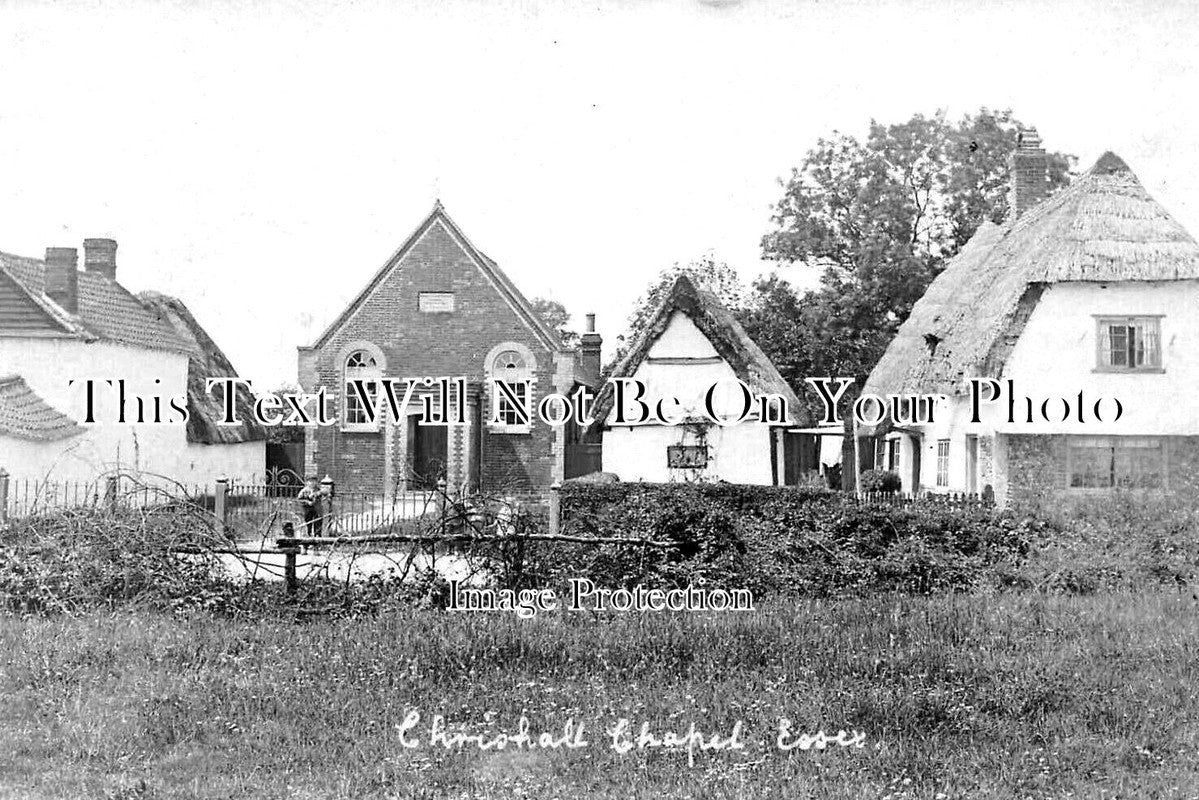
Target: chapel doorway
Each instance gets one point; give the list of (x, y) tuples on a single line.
[(430, 448)]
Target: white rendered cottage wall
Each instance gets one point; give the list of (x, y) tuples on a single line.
[(48, 364), (201, 464), (739, 453), (1056, 356)]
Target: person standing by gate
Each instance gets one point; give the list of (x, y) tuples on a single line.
[(308, 498)]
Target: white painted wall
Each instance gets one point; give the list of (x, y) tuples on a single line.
[(740, 453), (1056, 357), (48, 364), (244, 462)]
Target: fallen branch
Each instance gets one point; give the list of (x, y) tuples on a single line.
[(308, 541)]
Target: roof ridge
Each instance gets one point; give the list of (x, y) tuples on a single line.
[(1104, 227), (711, 316)]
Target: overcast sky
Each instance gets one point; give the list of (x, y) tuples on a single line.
[(261, 161)]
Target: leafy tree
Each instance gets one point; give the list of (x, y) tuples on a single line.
[(557, 317), (715, 276), (879, 218)]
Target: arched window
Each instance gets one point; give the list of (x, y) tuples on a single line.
[(511, 371), (361, 373)]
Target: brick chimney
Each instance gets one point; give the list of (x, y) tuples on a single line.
[(589, 348), (1029, 174), (62, 277), (100, 255)]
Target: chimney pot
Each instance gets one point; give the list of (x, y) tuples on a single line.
[(62, 277), (1029, 182), (590, 345), (100, 255)]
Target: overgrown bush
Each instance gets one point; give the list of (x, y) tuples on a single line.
[(880, 480), (783, 540), (771, 540), (80, 559), (166, 559), (1121, 540)]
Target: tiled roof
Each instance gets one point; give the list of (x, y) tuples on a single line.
[(106, 309), (25, 415)]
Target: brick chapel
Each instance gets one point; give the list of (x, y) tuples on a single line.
[(439, 307)]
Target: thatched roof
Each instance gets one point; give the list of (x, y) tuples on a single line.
[(1102, 228), (727, 336), (205, 360)]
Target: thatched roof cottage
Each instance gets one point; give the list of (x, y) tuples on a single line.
[(61, 326), (689, 344), (1075, 318)]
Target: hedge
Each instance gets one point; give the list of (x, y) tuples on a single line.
[(780, 540)]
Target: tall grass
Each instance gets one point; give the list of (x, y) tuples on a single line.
[(991, 697)]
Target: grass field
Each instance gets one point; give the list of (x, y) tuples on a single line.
[(959, 697)]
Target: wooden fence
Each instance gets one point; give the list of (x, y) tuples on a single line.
[(954, 499)]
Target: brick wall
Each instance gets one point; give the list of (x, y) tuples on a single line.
[(417, 344), (1036, 468)]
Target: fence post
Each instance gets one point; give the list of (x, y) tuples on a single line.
[(441, 504), (3, 498), (218, 505), (555, 507), (110, 492), (325, 505), (289, 558)]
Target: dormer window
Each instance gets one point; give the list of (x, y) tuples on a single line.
[(1129, 344), (361, 370)]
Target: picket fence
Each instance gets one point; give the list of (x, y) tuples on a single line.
[(952, 499)]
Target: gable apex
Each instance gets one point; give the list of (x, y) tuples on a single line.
[(718, 325), (491, 270)]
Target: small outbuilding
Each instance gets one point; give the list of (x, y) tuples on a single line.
[(698, 365)]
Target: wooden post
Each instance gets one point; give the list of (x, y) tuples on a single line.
[(325, 504), (110, 492), (555, 521), (289, 559), (441, 504), (857, 456), (3, 498), (219, 504)]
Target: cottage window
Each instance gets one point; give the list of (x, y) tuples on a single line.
[(361, 370), (942, 462), (512, 386), (893, 450), (687, 456), (1109, 462), (1130, 343)]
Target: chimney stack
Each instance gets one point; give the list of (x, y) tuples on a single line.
[(1029, 173), (62, 277), (589, 349), (100, 255)]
